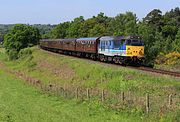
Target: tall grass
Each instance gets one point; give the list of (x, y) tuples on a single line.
[(22, 103), (72, 71)]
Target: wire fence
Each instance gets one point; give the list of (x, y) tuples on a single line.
[(146, 103), (162, 102)]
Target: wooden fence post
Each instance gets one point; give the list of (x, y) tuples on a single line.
[(57, 91), (102, 95), (147, 103), (170, 100), (77, 92), (122, 96), (61, 91), (64, 91), (87, 93)]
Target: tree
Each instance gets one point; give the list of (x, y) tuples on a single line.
[(98, 30), (176, 43), (60, 31), (168, 45), (148, 34), (123, 24), (169, 30), (75, 27), (21, 36), (153, 17)]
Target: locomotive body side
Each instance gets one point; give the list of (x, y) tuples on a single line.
[(121, 49), (110, 47)]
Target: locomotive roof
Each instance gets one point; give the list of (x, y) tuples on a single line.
[(107, 38), (88, 39)]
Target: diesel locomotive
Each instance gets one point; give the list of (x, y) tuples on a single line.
[(118, 49)]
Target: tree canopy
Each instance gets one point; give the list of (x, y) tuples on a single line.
[(161, 32), (21, 36)]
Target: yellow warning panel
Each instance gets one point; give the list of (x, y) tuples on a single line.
[(135, 51)]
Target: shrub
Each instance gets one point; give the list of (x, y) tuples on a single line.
[(27, 52), (20, 37), (172, 58), (12, 54)]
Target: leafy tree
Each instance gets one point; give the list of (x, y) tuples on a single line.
[(147, 32), (60, 31), (74, 29), (169, 30), (123, 24), (154, 18), (97, 30), (168, 45), (176, 43), (21, 36)]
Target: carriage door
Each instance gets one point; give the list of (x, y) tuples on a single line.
[(102, 45)]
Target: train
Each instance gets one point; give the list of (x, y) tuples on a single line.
[(117, 49)]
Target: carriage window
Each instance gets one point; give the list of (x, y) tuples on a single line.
[(117, 43), (134, 42), (122, 42), (128, 42), (110, 43)]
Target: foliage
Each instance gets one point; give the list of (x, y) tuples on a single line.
[(43, 29), (23, 103), (172, 58), (20, 37), (25, 53), (176, 43), (55, 69), (13, 54), (160, 31)]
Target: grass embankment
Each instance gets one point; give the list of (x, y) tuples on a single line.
[(22, 103), (73, 71), (76, 72)]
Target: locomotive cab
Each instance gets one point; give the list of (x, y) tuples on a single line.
[(135, 49)]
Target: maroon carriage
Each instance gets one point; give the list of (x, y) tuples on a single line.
[(87, 45)]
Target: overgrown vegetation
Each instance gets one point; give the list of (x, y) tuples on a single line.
[(20, 37), (170, 61), (22, 103), (70, 71)]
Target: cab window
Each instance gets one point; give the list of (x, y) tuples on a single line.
[(117, 43)]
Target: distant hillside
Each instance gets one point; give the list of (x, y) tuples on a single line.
[(44, 29)]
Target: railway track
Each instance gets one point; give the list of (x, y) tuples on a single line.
[(147, 69), (164, 72)]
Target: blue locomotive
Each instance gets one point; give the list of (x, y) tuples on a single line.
[(118, 49)]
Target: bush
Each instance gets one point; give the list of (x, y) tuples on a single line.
[(20, 37), (12, 55), (27, 52), (172, 58)]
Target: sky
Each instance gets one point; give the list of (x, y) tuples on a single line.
[(57, 11)]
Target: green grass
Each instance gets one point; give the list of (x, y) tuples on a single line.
[(22, 103), (74, 71), (77, 72)]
